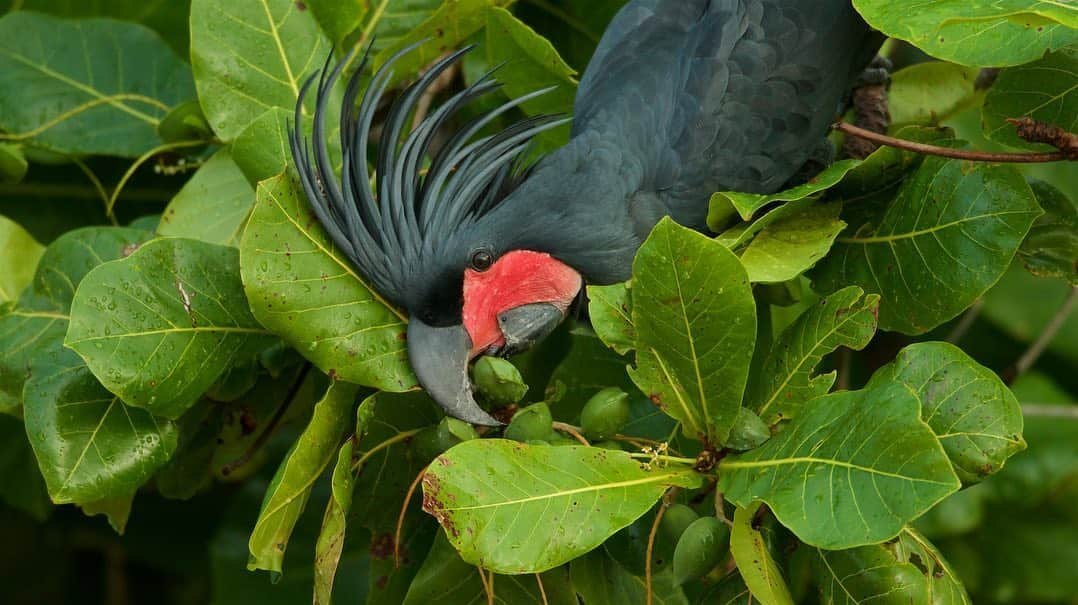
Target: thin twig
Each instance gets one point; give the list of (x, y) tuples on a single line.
[(98, 185), (271, 426), (542, 590), (720, 510), (488, 585), (110, 206), (1043, 410), (967, 321), (1049, 332), (668, 497), (400, 518), (947, 152), (571, 430)]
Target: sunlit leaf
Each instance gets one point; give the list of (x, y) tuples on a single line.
[(609, 308), (931, 92), (758, 568), (19, 253), (791, 245), (213, 206)]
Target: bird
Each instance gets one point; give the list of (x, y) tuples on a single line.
[(486, 251)]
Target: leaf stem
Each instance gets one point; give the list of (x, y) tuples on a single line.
[(399, 437), (1038, 347), (111, 204), (400, 518), (271, 426), (542, 589), (1041, 410), (947, 152), (663, 457), (666, 500)]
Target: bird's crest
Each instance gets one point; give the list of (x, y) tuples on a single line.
[(389, 225)]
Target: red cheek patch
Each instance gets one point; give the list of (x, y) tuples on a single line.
[(518, 278)]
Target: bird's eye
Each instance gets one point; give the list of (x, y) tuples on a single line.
[(481, 260)]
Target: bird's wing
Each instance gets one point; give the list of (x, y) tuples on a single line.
[(712, 95)]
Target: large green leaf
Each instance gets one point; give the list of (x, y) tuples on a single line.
[(1045, 90), (759, 570), (287, 494), (944, 585), (852, 469), (102, 91), (19, 253), (249, 56), (338, 19), (1051, 248), (213, 206), (975, 416), (982, 33), (867, 574), (578, 497), (949, 234), (89, 445), (691, 360), (846, 318), (931, 92), (601, 580), (792, 244), (305, 290), (167, 17), (447, 580), (39, 321), (159, 327)]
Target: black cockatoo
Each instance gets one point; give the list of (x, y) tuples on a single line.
[(681, 99)]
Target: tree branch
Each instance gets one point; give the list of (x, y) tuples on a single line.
[(947, 152), (1038, 347)]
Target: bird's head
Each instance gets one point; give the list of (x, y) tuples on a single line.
[(416, 229)]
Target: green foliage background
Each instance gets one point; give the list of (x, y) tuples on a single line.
[(185, 353)]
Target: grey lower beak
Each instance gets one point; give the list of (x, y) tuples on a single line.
[(440, 359), (526, 325)]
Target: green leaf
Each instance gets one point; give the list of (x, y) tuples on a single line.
[(974, 415), (868, 574), (531, 63), (338, 19), (600, 580), (583, 496), (103, 91), (691, 361), (852, 469), (748, 204), (13, 165), (250, 56), (19, 254), (1051, 247), (944, 585), (758, 568), (792, 244), (169, 19), (981, 33), (447, 580), (609, 308), (117, 510), (291, 486), (261, 150), (159, 327), (305, 290), (89, 445), (846, 318), (1046, 90), (949, 234), (931, 92), (213, 206), (877, 175), (38, 323)]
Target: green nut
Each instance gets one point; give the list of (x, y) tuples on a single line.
[(185, 122), (432, 441), (498, 381), (532, 422), (678, 517), (605, 413), (701, 547)]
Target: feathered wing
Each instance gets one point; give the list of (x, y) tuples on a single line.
[(717, 95)]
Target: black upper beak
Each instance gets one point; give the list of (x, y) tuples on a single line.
[(440, 359)]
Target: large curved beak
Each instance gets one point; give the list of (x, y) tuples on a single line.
[(440, 359)]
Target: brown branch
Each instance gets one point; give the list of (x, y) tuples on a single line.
[(668, 499), (871, 111), (1030, 356), (400, 518), (947, 152), (1033, 131), (571, 430)]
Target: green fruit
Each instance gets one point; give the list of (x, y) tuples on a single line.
[(701, 547), (432, 441), (678, 517), (498, 381), (185, 123), (532, 422), (605, 413)]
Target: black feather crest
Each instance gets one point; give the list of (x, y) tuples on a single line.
[(392, 225)]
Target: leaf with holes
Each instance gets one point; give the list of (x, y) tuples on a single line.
[(981, 33), (249, 56), (161, 326), (39, 321), (305, 290), (867, 574), (692, 360), (948, 235), (786, 382), (287, 494), (213, 206), (974, 415), (852, 469), (103, 91), (1045, 90), (579, 498)]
